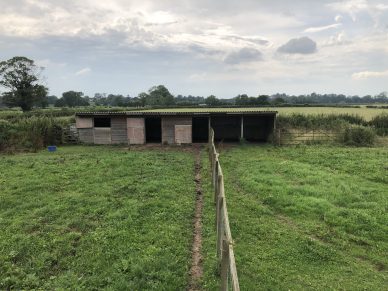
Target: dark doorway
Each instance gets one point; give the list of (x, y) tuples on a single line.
[(226, 128), (200, 129), (258, 128), (153, 129)]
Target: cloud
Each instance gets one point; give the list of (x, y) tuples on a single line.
[(338, 39), (369, 74), (303, 45), (352, 7), (338, 18), (244, 55), (322, 28), (169, 41), (382, 7), (83, 71)]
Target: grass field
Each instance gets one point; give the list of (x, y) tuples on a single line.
[(308, 217), (367, 113), (96, 218)]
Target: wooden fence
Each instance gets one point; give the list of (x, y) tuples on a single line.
[(225, 253)]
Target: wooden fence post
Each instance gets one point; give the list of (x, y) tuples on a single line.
[(220, 224), (233, 270), (215, 173), (217, 194), (224, 265)]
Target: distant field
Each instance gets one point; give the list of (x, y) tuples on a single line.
[(308, 217), (96, 218), (367, 113)]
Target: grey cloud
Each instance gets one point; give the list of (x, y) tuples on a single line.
[(203, 50), (303, 45), (255, 40), (243, 56)]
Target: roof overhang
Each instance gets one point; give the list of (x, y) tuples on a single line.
[(176, 113)]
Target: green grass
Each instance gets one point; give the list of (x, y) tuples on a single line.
[(310, 218), (96, 218), (210, 274)]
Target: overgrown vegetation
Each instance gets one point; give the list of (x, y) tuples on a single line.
[(96, 218), (318, 121), (380, 123), (308, 217), (353, 130), (359, 136), (31, 133)]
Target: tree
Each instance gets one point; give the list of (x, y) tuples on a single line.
[(159, 95), (263, 100), (143, 98), (60, 103), (278, 101), (212, 100), (242, 99), (72, 99), (52, 99), (21, 77)]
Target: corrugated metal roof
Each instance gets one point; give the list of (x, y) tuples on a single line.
[(173, 113)]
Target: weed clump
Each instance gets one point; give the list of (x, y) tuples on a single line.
[(380, 123), (359, 136)]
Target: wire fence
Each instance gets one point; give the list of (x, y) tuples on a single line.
[(225, 253)]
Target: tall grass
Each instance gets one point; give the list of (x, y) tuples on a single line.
[(31, 133), (380, 123), (318, 121)]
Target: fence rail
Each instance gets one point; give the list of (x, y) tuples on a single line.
[(225, 253), (300, 136)]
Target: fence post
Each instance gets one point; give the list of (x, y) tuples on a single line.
[(233, 270), (220, 224), (215, 169), (224, 265)]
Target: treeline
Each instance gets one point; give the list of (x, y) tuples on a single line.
[(21, 79), (314, 98), (160, 96)]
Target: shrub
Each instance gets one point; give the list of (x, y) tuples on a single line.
[(359, 136), (318, 121), (31, 133), (5, 132), (38, 132), (380, 123)]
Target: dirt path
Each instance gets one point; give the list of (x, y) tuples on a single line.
[(196, 256)]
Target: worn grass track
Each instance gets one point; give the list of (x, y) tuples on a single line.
[(196, 270)]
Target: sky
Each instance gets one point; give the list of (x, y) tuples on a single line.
[(198, 47)]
